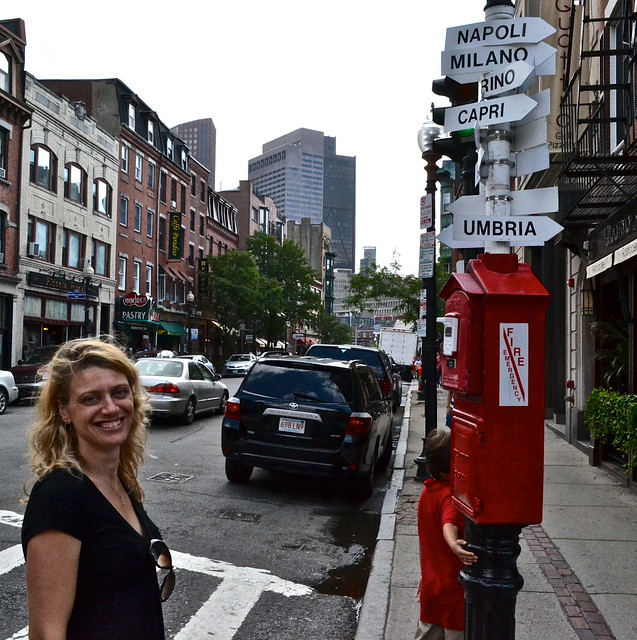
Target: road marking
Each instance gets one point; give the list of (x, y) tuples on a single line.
[(221, 616)]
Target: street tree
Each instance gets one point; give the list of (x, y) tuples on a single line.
[(331, 331)]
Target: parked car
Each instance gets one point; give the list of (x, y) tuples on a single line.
[(8, 390), (239, 364), (377, 359), (309, 415), (181, 387), (201, 358), (155, 353), (397, 373), (25, 373)]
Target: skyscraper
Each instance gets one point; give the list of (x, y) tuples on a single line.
[(301, 172), (201, 138)]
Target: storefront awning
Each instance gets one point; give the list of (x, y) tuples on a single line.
[(139, 325), (171, 328)]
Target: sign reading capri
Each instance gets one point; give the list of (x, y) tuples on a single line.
[(514, 364), (504, 109)]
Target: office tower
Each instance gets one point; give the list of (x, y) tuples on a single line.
[(201, 138), (369, 258), (301, 172)]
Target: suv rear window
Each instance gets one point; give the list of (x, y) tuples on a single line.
[(294, 384), (370, 358)]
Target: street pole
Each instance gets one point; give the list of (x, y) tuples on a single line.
[(427, 134), (190, 298), (88, 276)]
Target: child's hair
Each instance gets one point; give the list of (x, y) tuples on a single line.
[(437, 453)]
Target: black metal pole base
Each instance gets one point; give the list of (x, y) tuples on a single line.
[(492, 584)]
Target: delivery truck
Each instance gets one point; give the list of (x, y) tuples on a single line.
[(401, 345)]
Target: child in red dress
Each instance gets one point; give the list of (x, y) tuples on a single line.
[(442, 552)]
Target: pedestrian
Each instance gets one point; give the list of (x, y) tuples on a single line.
[(91, 550), (442, 552)]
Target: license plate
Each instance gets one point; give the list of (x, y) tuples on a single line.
[(291, 426)]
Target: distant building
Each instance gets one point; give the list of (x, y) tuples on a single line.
[(201, 138), (368, 259), (301, 172)]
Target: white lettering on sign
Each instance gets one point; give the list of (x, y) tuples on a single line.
[(514, 364)]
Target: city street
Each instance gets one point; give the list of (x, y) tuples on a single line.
[(280, 557)]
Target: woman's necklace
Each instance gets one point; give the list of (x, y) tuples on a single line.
[(111, 485)]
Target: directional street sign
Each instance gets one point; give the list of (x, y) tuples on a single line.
[(446, 237), (468, 65), (530, 134), (497, 82), (76, 295), (501, 32), (529, 161), (488, 112), (523, 203), (521, 231)]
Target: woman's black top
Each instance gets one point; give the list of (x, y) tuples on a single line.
[(117, 595)]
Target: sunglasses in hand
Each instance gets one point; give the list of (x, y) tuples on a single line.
[(163, 560)]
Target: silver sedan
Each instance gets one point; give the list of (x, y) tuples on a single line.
[(8, 390), (181, 387)]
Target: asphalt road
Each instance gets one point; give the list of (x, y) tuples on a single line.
[(280, 557)]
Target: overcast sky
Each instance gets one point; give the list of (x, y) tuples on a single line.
[(357, 70)]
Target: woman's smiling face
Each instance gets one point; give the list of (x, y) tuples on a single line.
[(100, 408)]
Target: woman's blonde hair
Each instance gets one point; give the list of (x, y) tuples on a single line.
[(53, 443)]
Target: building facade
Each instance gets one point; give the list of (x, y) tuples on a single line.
[(301, 172), (15, 116)]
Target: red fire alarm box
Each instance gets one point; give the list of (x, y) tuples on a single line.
[(495, 367)]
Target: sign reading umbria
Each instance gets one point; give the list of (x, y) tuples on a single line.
[(175, 237)]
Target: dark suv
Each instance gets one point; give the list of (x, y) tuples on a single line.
[(309, 415), (377, 359), (26, 371)]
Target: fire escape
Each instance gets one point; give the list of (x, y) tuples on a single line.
[(598, 112)]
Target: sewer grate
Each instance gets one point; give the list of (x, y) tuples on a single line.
[(170, 478), (233, 514)]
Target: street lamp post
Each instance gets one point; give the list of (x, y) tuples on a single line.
[(88, 273), (426, 136), (190, 298)]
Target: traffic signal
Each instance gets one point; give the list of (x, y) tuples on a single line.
[(457, 93)]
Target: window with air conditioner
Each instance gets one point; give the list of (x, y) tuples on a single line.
[(40, 239), (4, 151)]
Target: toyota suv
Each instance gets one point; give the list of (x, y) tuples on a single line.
[(315, 416)]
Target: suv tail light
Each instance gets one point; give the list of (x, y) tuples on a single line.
[(359, 424), (386, 386), (163, 387), (233, 410)]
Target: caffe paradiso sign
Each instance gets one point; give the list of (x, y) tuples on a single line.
[(135, 307)]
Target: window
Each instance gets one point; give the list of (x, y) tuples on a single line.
[(150, 222), (132, 116), (162, 186), (5, 72), (41, 238), (202, 225), (192, 219), (139, 165), (173, 192), (137, 275), (138, 217), (3, 234), (102, 195), (4, 151), (72, 249), (123, 211), (162, 234), (151, 132), (193, 184), (151, 176), (42, 167), (184, 159), (149, 280), (202, 192), (101, 254), (121, 273), (184, 204), (191, 255), (75, 183), (124, 164), (161, 287), (169, 147)]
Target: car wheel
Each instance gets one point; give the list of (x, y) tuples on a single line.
[(363, 486), (237, 472), (224, 401), (189, 412), (4, 401), (383, 461)]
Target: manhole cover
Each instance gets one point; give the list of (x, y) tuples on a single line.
[(233, 514), (170, 478)]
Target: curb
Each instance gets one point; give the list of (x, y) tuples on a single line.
[(374, 607)]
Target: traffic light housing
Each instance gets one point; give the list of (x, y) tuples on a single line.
[(457, 93)]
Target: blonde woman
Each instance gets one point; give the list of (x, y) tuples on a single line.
[(91, 550)]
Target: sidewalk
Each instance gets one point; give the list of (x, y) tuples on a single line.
[(579, 566)]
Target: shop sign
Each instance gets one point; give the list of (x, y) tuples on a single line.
[(61, 284), (175, 237), (135, 307)]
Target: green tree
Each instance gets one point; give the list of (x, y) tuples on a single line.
[(375, 283), (331, 331)]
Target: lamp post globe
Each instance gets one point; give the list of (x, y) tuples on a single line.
[(190, 298)]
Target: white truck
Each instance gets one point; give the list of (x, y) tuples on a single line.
[(401, 345)]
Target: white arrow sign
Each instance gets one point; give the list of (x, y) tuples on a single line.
[(498, 32), (521, 231), (469, 64), (446, 237), (488, 112), (529, 161), (523, 203), (496, 83)]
